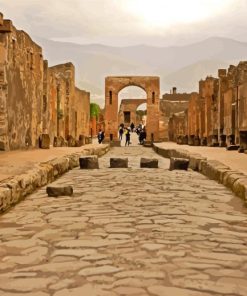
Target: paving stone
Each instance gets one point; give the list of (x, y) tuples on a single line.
[(179, 164), (55, 191), (168, 291), (175, 232), (25, 284), (129, 291), (74, 252), (87, 289), (149, 163), (152, 247), (89, 162), (107, 269), (118, 162)]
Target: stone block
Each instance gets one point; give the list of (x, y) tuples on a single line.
[(71, 141), (179, 164), (240, 188), (213, 169), (59, 142), (89, 162), (82, 140), (5, 198), (44, 141), (149, 163), (164, 152), (231, 177), (55, 191), (195, 160), (118, 162), (6, 27), (148, 144), (241, 150), (232, 147)]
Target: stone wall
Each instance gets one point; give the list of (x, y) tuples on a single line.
[(209, 95), (169, 106), (218, 115), (21, 83), (178, 128), (82, 111), (130, 105), (35, 99)]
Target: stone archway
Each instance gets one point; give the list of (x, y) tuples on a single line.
[(113, 85), (129, 106)]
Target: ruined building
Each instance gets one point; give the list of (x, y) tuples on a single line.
[(69, 106), (35, 99), (21, 87), (127, 111), (217, 116), (178, 127), (171, 103)]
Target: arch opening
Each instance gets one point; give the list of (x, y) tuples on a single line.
[(148, 90), (129, 99)]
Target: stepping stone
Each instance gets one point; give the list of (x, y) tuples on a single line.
[(55, 191), (44, 141), (149, 163), (178, 164), (118, 162), (241, 150), (232, 147), (89, 162)]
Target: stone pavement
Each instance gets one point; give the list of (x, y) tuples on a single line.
[(20, 161), (126, 232), (233, 159)]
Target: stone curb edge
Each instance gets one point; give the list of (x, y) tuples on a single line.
[(213, 169), (16, 188)]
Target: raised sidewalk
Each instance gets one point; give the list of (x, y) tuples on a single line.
[(22, 172), (227, 167)]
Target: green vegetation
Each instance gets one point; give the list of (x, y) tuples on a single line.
[(141, 112), (94, 110)]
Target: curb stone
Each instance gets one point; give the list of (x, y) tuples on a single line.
[(213, 169), (16, 188)]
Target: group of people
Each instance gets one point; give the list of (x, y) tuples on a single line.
[(140, 130), (126, 131), (142, 134)]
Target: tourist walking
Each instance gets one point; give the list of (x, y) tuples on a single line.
[(121, 131), (132, 126), (127, 136), (101, 136)]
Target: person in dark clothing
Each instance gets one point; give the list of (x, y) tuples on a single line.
[(127, 137), (132, 126), (121, 131), (142, 136), (101, 136)]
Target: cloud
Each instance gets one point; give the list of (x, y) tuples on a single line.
[(119, 22)]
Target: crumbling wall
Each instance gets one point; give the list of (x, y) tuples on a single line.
[(209, 93), (22, 88), (178, 128), (130, 105), (62, 99), (82, 111), (170, 104)]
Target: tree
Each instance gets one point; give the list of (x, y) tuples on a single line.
[(94, 110)]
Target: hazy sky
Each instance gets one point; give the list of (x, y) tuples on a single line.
[(128, 22)]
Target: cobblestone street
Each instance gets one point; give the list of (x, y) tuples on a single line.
[(126, 232)]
